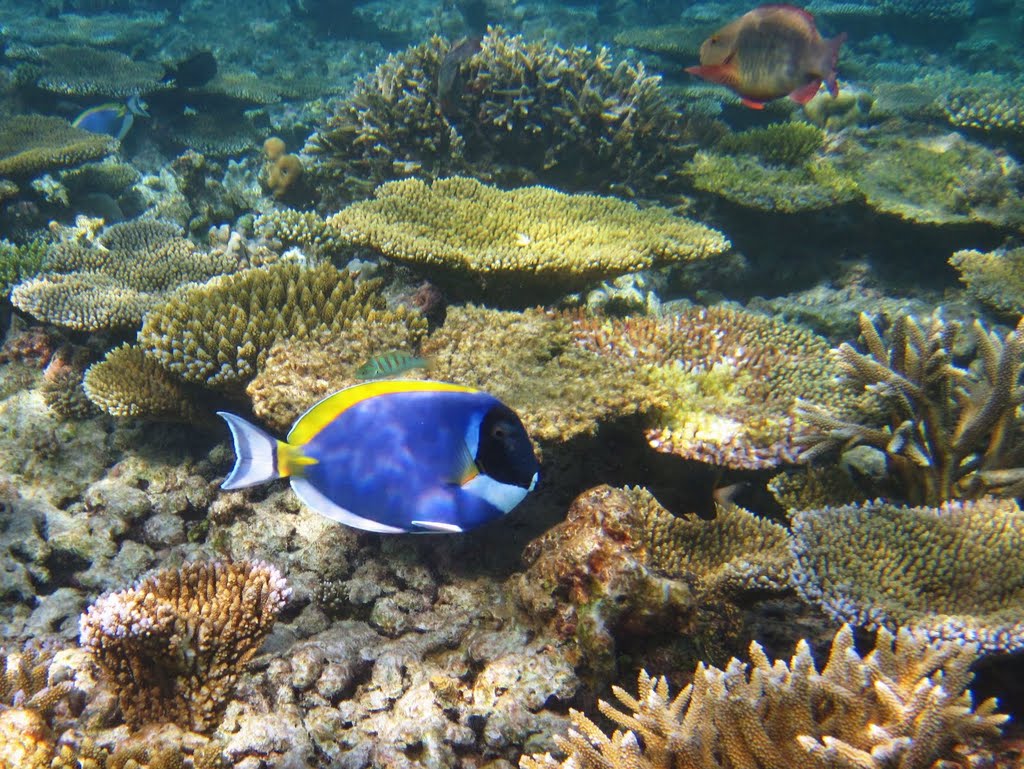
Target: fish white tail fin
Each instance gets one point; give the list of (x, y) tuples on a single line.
[(255, 454)]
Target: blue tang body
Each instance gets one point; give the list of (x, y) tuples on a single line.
[(397, 456), (112, 119)]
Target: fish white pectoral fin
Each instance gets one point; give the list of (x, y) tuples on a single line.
[(255, 454), (503, 496), (444, 528), (315, 500)]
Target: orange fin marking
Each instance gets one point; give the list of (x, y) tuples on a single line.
[(805, 93)]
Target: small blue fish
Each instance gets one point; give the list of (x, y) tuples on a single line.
[(113, 119), (389, 364), (396, 456)]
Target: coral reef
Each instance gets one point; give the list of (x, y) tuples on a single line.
[(733, 377), (175, 644), (18, 262), (62, 384), (31, 145), (947, 573), (998, 109), (946, 430), (113, 282), (305, 229), (904, 704), (834, 113), (86, 71), (219, 334), (516, 111), (519, 246), (127, 383), (995, 278)]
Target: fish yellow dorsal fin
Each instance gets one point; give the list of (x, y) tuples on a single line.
[(327, 410)]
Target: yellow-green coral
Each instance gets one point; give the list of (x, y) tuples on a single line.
[(34, 144), (520, 245), (733, 377), (946, 431), (126, 383), (305, 229), (112, 283), (175, 644), (778, 144), (953, 572), (219, 334), (18, 262), (996, 278), (903, 705), (668, 39), (735, 550), (988, 108)]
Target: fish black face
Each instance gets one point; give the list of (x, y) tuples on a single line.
[(505, 452)]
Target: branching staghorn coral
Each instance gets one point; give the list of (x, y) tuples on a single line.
[(126, 383), (113, 282), (519, 246), (733, 377), (947, 431), (995, 278), (175, 644), (953, 572), (902, 706), (516, 112)]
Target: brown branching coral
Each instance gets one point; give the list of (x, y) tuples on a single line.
[(733, 377), (31, 145), (175, 644), (519, 246), (25, 680), (953, 572), (219, 334), (947, 431), (111, 283), (516, 112), (903, 705)]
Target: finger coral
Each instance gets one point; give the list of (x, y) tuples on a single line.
[(519, 246), (126, 383), (112, 283), (952, 572), (31, 145), (732, 376), (995, 278), (535, 112), (218, 334), (175, 644), (947, 431), (904, 705)]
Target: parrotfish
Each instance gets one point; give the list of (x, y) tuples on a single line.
[(389, 364), (448, 92), (112, 119), (192, 72), (771, 52), (396, 456)]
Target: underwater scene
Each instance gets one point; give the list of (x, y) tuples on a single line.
[(497, 384)]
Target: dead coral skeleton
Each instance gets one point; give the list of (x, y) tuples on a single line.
[(947, 431)]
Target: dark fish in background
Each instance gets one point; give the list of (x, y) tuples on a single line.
[(193, 72), (447, 75), (771, 52)]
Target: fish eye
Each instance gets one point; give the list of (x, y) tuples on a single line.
[(499, 431)]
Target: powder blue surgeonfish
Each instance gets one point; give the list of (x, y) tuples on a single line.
[(113, 119), (396, 456)]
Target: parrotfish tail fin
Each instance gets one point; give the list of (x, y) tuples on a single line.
[(833, 60), (751, 103), (256, 455), (807, 92)]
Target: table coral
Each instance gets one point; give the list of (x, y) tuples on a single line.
[(85, 71), (995, 278), (112, 283), (218, 334), (518, 111), (987, 108), (175, 644), (947, 573), (733, 377), (519, 246), (946, 430), (904, 704), (31, 145)]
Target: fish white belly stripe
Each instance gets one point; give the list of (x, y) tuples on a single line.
[(314, 500)]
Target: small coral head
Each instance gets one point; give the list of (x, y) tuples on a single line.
[(273, 148)]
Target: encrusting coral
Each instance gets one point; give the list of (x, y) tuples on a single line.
[(903, 705), (218, 334), (112, 282), (515, 111), (947, 431), (522, 245), (175, 644), (996, 278), (947, 573), (31, 145), (733, 377)]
